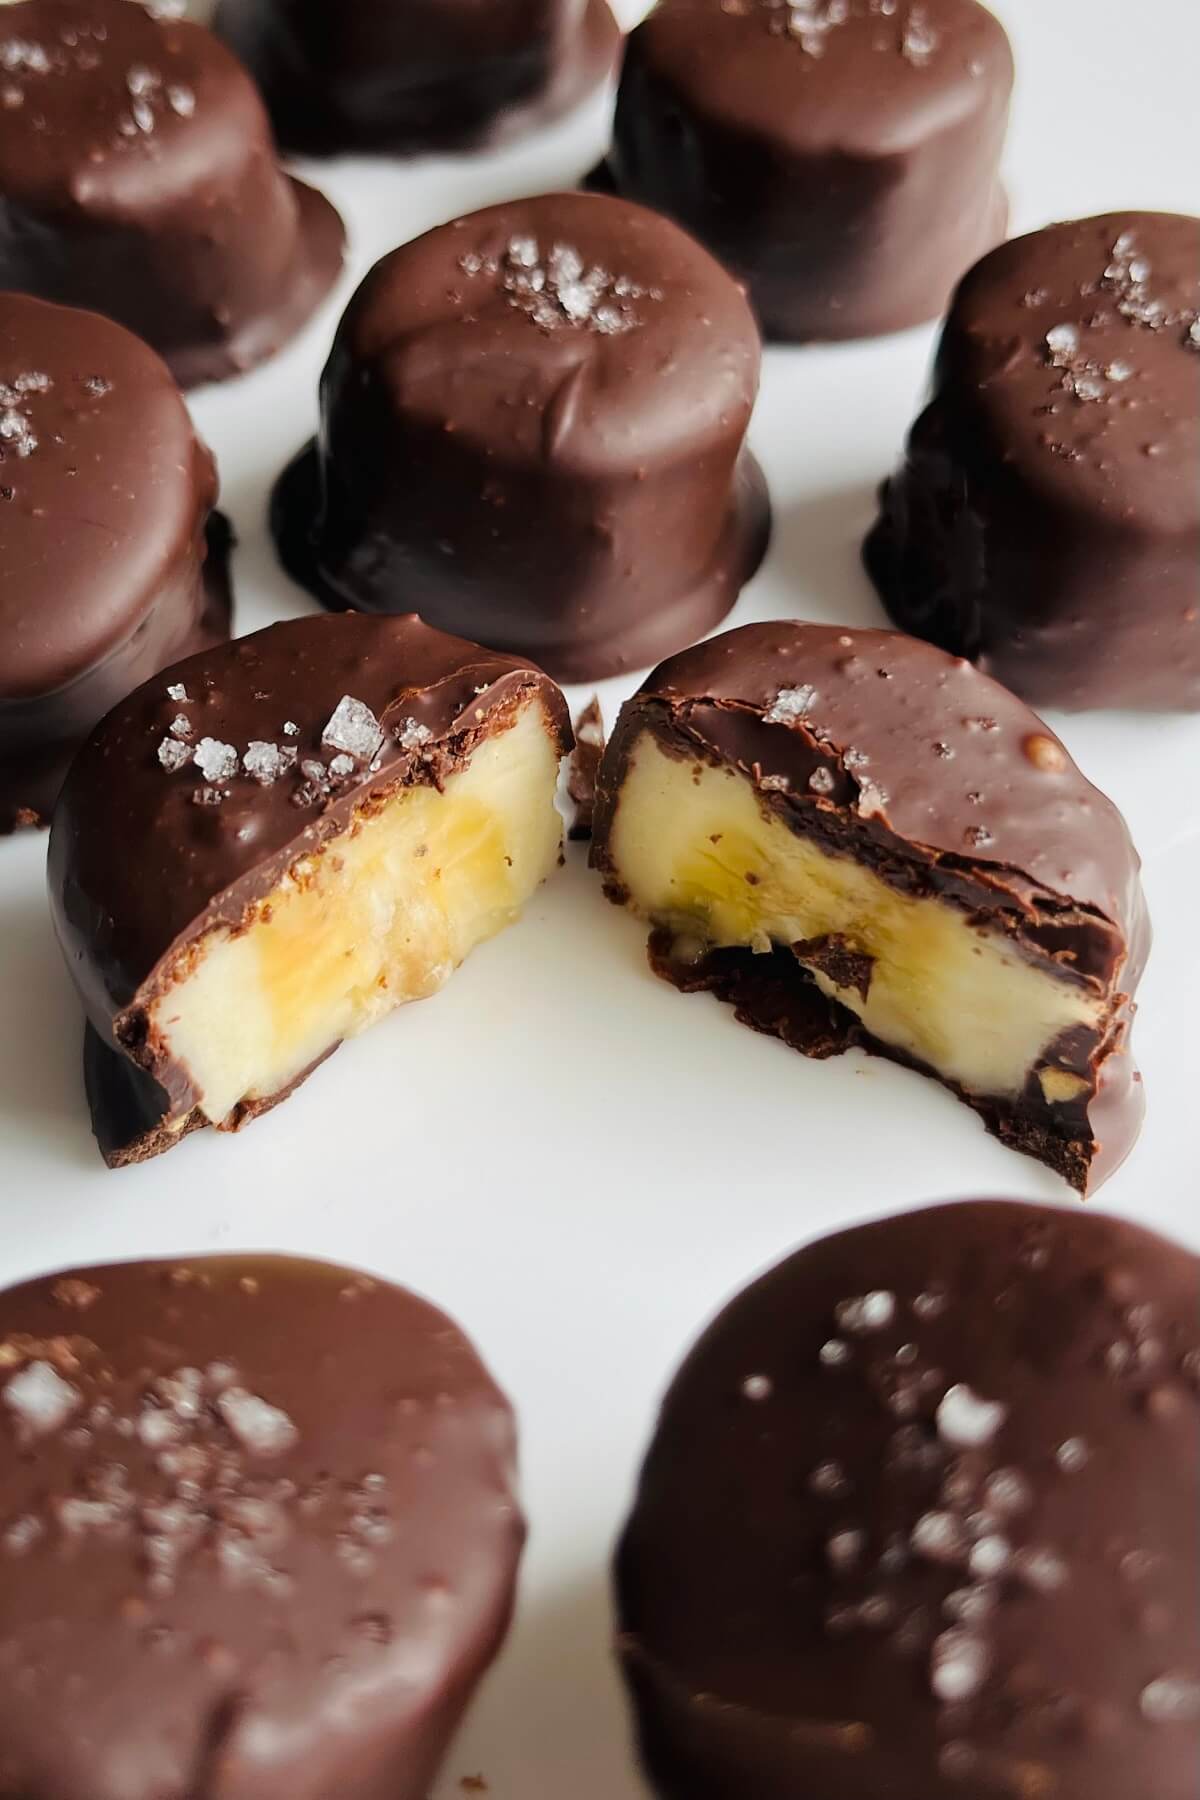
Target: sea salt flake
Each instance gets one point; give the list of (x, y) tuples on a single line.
[(757, 1387), (354, 728), (290, 728), (1193, 336), (821, 781), (1062, 341), (834, 1353), (1171, 1700), (342, 765), (1119, 371), (920, 40), (989, 1557), (1072, 1455), (938, 1537), (970, 1605), (844, 1550), (523, 252), (22, 1534), (216, 761), (959, 1666), (869, 1312), (142, 114), (181, 101), (41, 1400), (829, 1480), (1007, 1491), (20, 54), (261, 1428), (789, 705), (264, 762), (177, 692), (17, 431), (173, 755), (412, 734), (968, 1421), (1041, 1569)]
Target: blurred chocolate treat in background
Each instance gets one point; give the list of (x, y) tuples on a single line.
[(841, 157), (1045, 520), (113, 561), (140, 179), (411, 76)]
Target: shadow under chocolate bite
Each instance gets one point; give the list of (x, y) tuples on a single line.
[(40, 1085)]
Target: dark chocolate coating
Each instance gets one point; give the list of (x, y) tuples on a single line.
[(205, 1600), (571, 492), (773, 1652), (944, 784), (409, 76), (112, 559), (1046, 518), (140, 179), (140, 865), (846, 172)]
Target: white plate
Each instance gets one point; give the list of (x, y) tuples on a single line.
[(576, 1161)]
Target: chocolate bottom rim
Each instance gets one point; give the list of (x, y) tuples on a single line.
[(320, 254), (294, 515), (43, 773), (306, 125), (781, 323)]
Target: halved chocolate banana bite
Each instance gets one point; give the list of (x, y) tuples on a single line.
[(259, 1533), (267, 848), (857, 839)]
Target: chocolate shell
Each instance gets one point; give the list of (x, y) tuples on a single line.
[(426, 75), (112, 559), (532, 432), (139, 178), (974, 904), (232, 1569), (221, 794), (1046, 518), (918, 1522), (841, 157)]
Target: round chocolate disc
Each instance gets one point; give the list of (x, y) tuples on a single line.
[(426, 75), (533, 425), (112, 561), (919, 1522), (139, 178), (1046, 519), (257, 1532), (840, 156)]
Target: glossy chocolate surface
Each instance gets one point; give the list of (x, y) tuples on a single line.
[(426, 75), (112, 559), (1046, 518), (140, 179), (147, 855), (840, 157), (533, 426), (257, 1528), (918, 1522), (943, 783)]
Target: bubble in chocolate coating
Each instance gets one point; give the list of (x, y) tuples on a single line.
[(140, 179), (533, 425), (957, 1559), (1045, 520), (418, 76), (112, 559), (840, 156), (258, 1533)]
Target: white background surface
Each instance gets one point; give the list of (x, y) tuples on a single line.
[(576, 1161)]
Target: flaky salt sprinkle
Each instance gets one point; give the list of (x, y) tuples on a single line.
[(1072, 1455), (938, 1537), (353, 728), (1171, 1699), (959, 1666), (834, 1353), (1062, 341), (968, 1421), (41, 1400), (867, 1312), (259, 1427), (919, 39), (173, 755), (560, 288), (16, 432), (265, 762), (757, 1387), (789, 705), (216, 761), (412, 734), (177, 692)]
